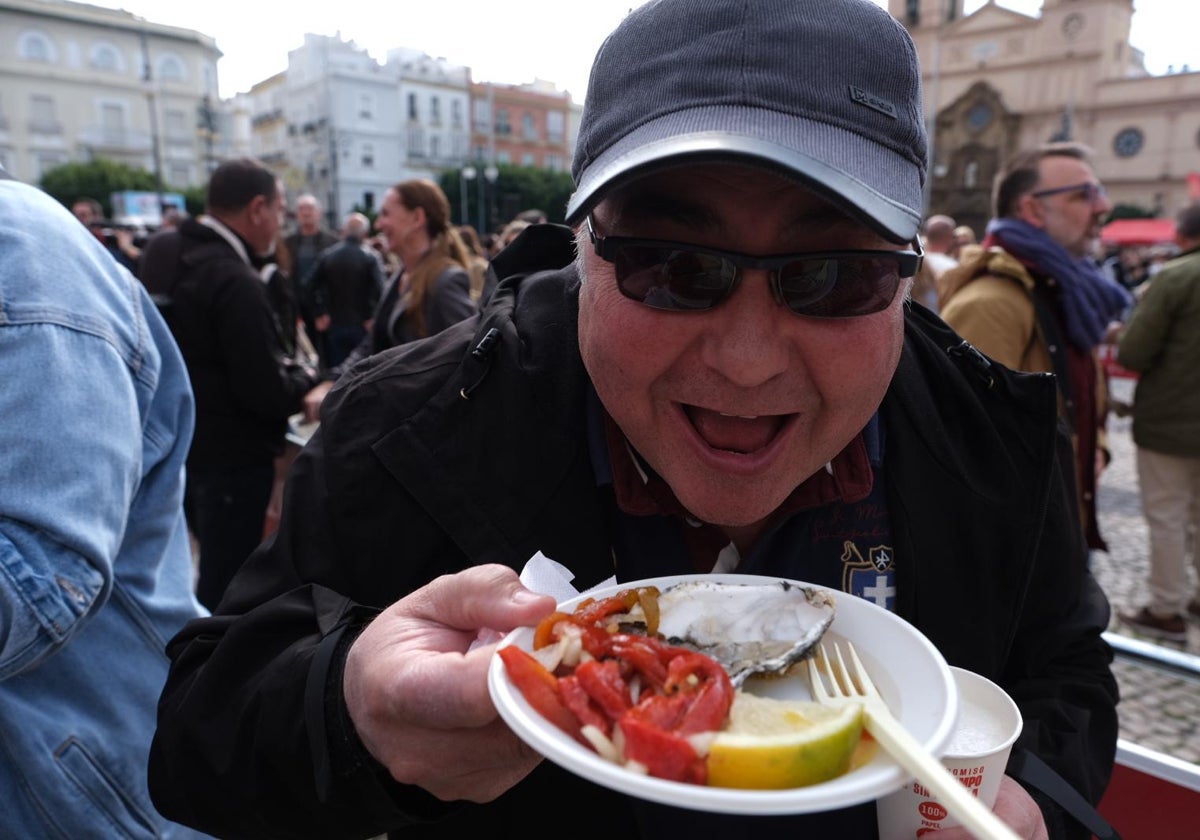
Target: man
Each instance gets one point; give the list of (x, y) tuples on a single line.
[(1162, 343), (1033, 298), (344, 286), (95, 572), (937, 240), (963, 236), (245, 388), (671, 400), (304, 245), (116, 240)]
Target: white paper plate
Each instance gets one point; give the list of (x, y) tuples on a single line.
[(910, 673)]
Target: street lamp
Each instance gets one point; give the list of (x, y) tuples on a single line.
[(467, 174), (490, 173)]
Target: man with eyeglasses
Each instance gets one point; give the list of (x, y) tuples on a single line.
[(1035, 298), (713, 369)]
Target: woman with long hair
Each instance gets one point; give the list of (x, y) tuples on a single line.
[(432, 289)]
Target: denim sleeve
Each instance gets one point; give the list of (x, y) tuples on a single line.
[(70, 455)]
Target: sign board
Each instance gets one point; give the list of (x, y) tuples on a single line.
[(132, 207)]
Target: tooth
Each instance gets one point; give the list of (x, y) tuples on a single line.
[(740, 416)]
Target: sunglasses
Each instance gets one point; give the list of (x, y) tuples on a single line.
[(1090, 191), (679, 277)]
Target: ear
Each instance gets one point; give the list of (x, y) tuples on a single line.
[(256, 208), (1029, 210)]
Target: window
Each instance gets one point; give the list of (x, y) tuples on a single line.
[(1128, 142), (366, 107), (971, 175), (435, 109), (106, 58), (503, 126), (554, 163), (35, 46), (527, 159), (528, 127), (171, 69), (41, 114), (175, 123), (456, 113), (503, 157), (435, 147), (44, 163), (555, 120), (112, 123), (413, 114), (179, 176), (483, 115), (368, 156)]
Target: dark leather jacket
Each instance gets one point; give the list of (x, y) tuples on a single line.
[(431, 458)]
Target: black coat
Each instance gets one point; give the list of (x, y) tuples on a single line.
[(226, 328), (345, 283), (431, 458)]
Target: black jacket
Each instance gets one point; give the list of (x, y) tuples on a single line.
[(447, 302), (226, 328), (413, 474), (345, 283)]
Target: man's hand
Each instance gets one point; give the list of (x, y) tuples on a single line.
[(1013, 805), (419, 700), (322, 322)]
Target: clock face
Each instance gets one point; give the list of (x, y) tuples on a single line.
[(979, 116), (1072, 25), (1128, 142)]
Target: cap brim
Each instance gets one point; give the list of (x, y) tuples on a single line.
[(869, 182)]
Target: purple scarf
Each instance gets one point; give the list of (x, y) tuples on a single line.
[(1090, 300)]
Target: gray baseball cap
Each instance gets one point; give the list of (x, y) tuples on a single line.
[(825, 91)]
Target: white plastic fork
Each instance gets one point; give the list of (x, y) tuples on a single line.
[(853, 685)]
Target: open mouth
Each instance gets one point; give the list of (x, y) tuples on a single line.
[(741, 434)]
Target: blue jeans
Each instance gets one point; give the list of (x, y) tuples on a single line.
[(227, 507), (341, 340)]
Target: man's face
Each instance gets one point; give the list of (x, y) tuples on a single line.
[(266, 222), (308, 216), (735, 406), (83, 212), (1072, 218)]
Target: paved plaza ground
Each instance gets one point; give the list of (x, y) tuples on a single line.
[(1159, 709)]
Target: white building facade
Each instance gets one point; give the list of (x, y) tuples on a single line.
[(74, 87)]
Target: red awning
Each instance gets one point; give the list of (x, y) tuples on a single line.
[(1138, 232)]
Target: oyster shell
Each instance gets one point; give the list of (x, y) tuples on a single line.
[(749, 628)]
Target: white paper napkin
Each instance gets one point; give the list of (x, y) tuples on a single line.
[(547, 577)]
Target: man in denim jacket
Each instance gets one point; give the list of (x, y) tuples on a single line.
[(96, 416)]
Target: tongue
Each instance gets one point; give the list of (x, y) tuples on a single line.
[(735, 434)]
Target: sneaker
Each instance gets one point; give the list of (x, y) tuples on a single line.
[(1172, 628)]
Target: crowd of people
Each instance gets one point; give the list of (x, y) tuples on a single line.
[(749, 349)]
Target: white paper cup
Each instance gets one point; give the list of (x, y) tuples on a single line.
[(988, 724)]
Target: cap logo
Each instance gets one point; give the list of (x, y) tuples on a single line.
[(873, 102)]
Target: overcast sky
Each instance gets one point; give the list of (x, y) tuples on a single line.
[(512, 42)]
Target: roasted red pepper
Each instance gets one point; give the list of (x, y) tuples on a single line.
[(540, 688), (681, 692)]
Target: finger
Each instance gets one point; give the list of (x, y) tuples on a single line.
[(490, 596)]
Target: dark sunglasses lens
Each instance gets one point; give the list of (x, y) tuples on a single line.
[(672, 279), (844, 287)]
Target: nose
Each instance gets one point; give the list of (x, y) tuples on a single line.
[(746, 340)]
